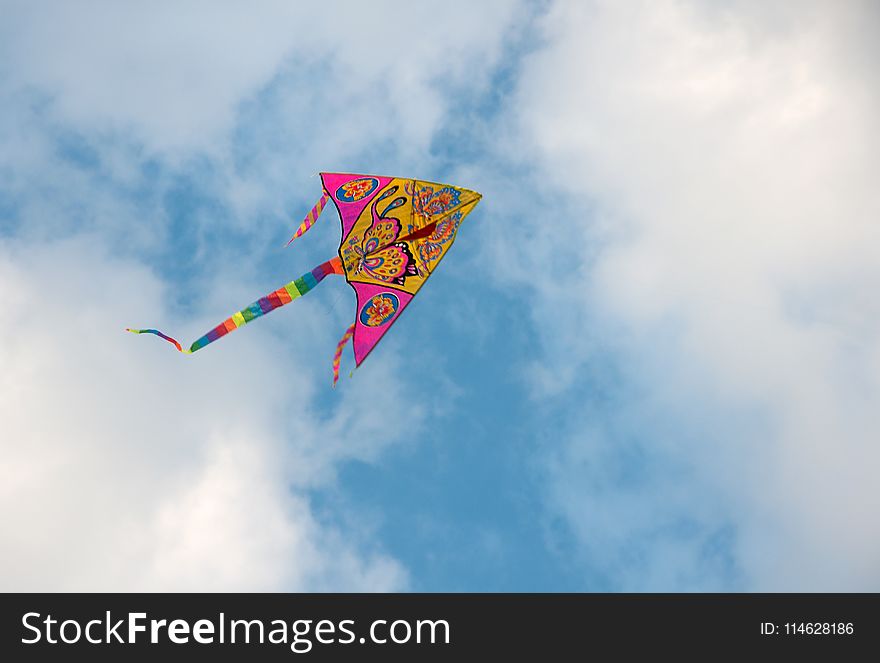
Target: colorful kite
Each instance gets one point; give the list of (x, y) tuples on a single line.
[(394, 233)]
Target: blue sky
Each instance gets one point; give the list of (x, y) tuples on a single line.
[(649, 362)]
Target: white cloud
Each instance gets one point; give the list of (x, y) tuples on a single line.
[(725, 157), (126, 466), (172, 75), (245, 104)]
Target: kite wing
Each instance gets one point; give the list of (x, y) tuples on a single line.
[(395, 231)]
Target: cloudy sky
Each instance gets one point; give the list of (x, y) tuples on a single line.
[(650, 362)]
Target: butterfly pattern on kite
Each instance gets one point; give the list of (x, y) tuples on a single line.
[(378, 254)]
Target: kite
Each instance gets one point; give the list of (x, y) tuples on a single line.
[(395, 231)]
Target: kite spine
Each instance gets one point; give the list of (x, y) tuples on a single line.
[(278, 298), (311, 218)]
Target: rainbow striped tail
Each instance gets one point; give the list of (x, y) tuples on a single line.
[(337, 357), (160, 335), (284, 295)]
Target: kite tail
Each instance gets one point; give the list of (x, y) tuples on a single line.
[(337, 357), (284, 295), (160, 335), (311, 218)]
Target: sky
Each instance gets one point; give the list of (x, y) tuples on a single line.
[(651, 361)]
